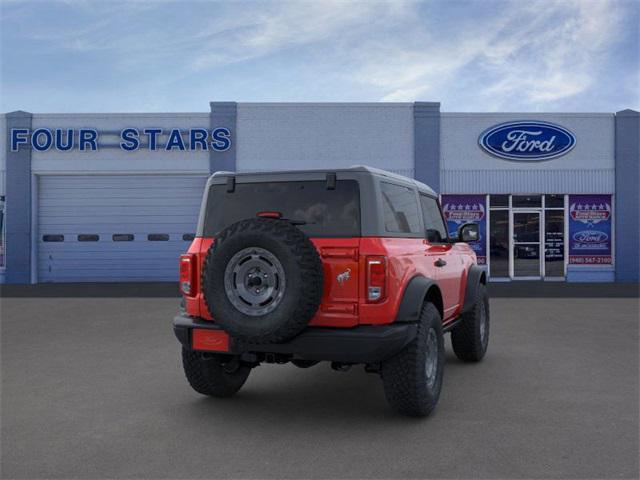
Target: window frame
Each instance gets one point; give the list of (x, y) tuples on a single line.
[(444, 221)]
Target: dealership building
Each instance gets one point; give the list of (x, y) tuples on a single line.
[(115, 197)]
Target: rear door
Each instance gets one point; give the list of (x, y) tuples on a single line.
[(340, 258), (330, 217)]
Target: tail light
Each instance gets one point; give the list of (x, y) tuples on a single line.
[(376, 279), (187, 273)]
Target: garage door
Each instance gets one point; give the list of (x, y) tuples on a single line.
[(115, 228)]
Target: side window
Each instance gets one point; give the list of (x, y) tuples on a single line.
[(400, 209), (433, 223)]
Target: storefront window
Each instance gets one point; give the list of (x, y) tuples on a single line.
[(527, 201), (554, 201), (554, 243), (498, 201), (499, 243)]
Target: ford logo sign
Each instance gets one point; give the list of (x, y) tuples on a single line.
[(590, 236), (527, 141)]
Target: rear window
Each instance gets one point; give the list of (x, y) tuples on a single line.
[(326, 213)]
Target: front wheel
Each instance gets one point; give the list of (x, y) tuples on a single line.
[(412, 379), (214, 375)]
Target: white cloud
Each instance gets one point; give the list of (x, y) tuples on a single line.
[(255, 32), (536, 53), (494, 55)]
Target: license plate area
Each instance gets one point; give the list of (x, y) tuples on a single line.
[(209, 340)]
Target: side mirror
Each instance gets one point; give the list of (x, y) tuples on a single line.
[(469, 232)]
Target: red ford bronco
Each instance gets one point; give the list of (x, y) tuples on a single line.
[(351, 266)]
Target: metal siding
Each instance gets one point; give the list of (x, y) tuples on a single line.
[(111, 204), (528, 181), (588, 168), (299, 136)]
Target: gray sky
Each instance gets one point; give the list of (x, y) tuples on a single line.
[(536, 55)]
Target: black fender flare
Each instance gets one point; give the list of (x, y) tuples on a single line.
[(413, 298), (475, 277)]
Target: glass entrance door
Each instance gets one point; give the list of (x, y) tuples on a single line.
[(525, 254)]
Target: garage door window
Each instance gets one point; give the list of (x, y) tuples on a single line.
[(88, 237), (123, 237), (188, 237), (53, 238), (158, 237)]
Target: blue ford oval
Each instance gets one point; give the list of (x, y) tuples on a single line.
[(527, 140)]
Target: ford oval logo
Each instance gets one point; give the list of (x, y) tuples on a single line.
[(527, 141), (590, 236)]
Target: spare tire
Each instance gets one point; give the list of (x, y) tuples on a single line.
[(262, 280)]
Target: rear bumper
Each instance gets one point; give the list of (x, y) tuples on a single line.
[(363, 344)]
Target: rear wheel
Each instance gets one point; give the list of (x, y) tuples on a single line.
[(214, 375), (412, 379), (470, 338)]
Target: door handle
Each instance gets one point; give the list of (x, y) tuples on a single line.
[(439, 263)]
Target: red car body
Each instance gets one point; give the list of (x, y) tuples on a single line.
[(344, 305)]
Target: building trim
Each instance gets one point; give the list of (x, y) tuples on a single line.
[(329, 104), (18, 203), (224, 114), (426, 125), (627, 178)]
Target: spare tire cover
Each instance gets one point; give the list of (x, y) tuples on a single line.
[(262, 280)]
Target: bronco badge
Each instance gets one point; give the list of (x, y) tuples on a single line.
[(344, 276)]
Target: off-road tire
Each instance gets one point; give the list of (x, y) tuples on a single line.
[(302, 270), (214, 375), (468, 339), (404, 376)]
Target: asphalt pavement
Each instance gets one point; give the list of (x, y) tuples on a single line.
[(93, 388)]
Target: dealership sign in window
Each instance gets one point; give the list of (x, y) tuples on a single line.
[(590, 229), (461, 209)]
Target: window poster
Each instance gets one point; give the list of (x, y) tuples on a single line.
[(461, 209), (590, 229)]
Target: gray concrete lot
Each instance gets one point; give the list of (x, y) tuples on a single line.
[(93, 388)]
